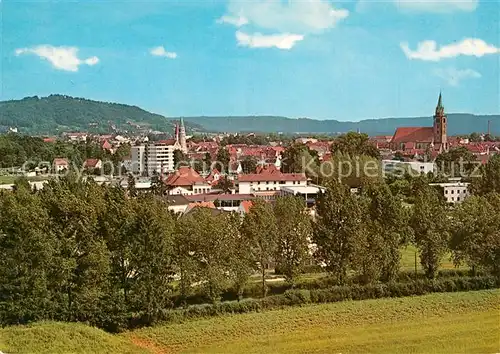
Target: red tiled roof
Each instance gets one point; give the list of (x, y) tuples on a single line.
[(222, 197), (269, 169), (49, 140), (91, 163), (61, 162), (413, 134), (201, 204), (246, 205), (212, 174), (106, 145), (263, 177), (184, 176)]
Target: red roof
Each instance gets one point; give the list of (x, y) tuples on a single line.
[(201, 204), (211, 176), (60, 162), (166, 142), (49, 140), (246, 205), (92, 163), (184, 176), (413, 134), (268, 169), (263, 177), (106, 145)]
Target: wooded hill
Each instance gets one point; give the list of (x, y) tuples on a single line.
[(58, 113)]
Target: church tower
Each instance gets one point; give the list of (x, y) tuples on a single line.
[(440, 126), (182, 137)]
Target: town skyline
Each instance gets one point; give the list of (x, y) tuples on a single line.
[(346, 61)]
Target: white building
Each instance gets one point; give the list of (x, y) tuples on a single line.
[(454, 192), (266, 182), (396, 166), (155, 157), (308, 192)]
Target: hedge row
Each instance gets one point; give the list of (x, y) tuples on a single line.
[(298, 297), (254, 290)]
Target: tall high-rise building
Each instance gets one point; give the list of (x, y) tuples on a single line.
[(157, 157), (182, 137)]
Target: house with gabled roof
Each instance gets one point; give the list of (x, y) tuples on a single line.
[(186, 181)]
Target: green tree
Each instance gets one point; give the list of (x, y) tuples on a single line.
[(27, 259), (430, 221), (207, 160), (180, 158), (457, 162), (476, 233), (131, 189), (22, 183), (293, 236), (249, 164), (355, 144), (224, 184), (298, 158), (386, 230), (208, 236), (151, 256), (338, 229), (489, 180), (259, 228), (84, 261), (223, 159), (158, 186)]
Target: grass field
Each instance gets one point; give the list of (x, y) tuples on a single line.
[(62, 338), (438, 323), (10, 179), (408, 260)]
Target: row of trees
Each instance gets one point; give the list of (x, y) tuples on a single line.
[(79, 251), (15, 150)]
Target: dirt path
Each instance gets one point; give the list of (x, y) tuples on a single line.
[(148, 345)]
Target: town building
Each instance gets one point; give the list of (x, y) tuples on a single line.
[(454, 192), (400, 167), (269, 181), (60, 165), (158, 157), (424, 138), (92, 164), (308, 192), (186, 181)]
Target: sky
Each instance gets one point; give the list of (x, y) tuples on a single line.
[(344, 60)]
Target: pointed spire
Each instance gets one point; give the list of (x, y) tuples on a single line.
[(440, 101)]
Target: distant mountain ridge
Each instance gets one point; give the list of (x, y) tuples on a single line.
[(59, 113), (458, 124)]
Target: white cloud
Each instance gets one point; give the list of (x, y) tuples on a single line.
[(237, 21), (62, 58), (454, 76), (295, 16), (258, 40), (161, 52), (437, 5), (429, 51)]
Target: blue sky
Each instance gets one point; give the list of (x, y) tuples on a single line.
[(345, 60)]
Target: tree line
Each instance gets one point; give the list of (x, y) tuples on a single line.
[(77, 251), (16, 150)]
